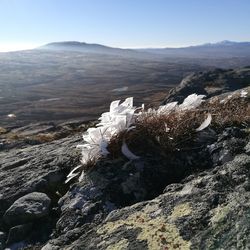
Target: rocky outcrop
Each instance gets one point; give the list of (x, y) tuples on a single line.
[(36, 168), (40, 168), (193, 211), (210, 83), (38, 133), (196, 198), (209, 210)]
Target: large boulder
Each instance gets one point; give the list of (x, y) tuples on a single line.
[(210, 83), (27, 209)]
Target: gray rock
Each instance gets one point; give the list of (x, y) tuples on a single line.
[(37, 168), (2, 240), (27, 209), (2, 236), (210, 83), (19, 233), (209, 210), (34, 129), (41, 168), (117, 183), (247, 148)]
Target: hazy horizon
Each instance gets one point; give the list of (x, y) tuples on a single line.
[(127, 24), (20, 47)]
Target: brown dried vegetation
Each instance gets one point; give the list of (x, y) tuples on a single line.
[(176, 131)]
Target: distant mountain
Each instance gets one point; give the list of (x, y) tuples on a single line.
[(220, 44), (89, 48), (221, 49), (76, 46)]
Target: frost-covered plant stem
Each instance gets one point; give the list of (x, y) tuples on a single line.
[(121, 118)]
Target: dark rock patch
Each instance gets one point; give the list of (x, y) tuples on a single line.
[(19, 233), (210, 83), (2, 240)]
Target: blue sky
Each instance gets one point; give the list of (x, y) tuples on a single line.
[(123, 23)]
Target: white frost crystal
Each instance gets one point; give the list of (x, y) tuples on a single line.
[(128, 153), (119, 118), (165, 109), (243, 93), (206, 123), (191, 102)]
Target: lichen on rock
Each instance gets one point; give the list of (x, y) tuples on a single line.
[(155, 230)]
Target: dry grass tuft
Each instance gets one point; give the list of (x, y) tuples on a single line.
[(89, 165), (163, 133), (232, 111)]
